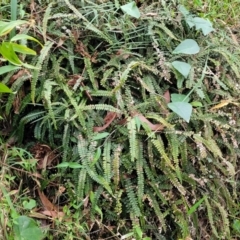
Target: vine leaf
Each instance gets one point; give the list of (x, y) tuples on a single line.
[(188, 46), (182, 67), (204, 24), (183, 109), (131, 9)]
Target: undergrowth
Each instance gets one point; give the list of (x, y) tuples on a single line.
[(113, 160)]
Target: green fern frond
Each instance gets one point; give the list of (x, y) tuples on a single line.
[(104, 107), (106, 76), (158, 143), (47, 94), (90, 72), (132, 199), (172, 177), (154, 203), (116, 165), (210, 218), (43, 54), (81, 184), (131, 125), (124, 76), (45, 20), (107, 160), (140, 175)]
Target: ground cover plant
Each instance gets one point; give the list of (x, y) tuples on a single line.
[(124, 125)]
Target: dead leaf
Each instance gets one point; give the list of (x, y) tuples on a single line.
[(53, 214), (153, 127), (223, 103), (46, 203), (107, 120), (166, 96)]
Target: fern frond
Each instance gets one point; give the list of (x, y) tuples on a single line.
[(47, 94), (116, 165), (124, 76), (158, 143), (107, 160), (131, 125), (90, 72), (210, 218), (81, 184), (140, 175), (104, 107), (43, 54), (153, 202), (132, 199), (45, 20)]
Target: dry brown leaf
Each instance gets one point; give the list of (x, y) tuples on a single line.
[(46, 203), (223, 103), (166, 96), (153, 127), (107, 120), (53, 214)]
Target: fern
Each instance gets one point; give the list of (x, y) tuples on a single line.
[(44, 52), (132, 199), (210, 217), (140, 175), (131, 125), (107, 160)]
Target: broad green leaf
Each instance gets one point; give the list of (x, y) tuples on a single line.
[(96, 157), (183, 109), (63, 165), (127, 235), (196, 104), (179, 98), (22, 49), (131, 9), (138, 231), (4, 88), (6, 27), (195, 206), (26, 65), (236, 225), (182, 67), (24, 37), (69, 164), (8, 68), (29, 204), (188, 46), (6, 49), (204, 24), (138, 122), (74, 165), (100, 136), (26, 228)]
